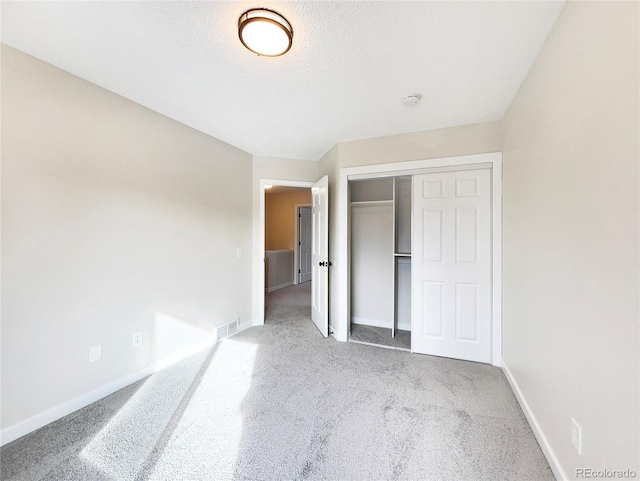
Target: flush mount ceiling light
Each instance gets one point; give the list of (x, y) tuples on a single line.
[(265, 32)]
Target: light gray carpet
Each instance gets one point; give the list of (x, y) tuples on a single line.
[(288, 304), (380, 336), (282, 402)]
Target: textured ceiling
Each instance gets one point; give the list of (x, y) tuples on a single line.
[(350, 65)]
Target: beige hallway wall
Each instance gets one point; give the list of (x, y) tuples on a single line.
[(281, 219)]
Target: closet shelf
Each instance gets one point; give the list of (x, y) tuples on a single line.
[(402, 254), (372, 202)]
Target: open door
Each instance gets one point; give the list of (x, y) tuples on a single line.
[(320, 255)]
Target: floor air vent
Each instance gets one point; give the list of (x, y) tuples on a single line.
[(223, 331), (232, 327), (228, 329)]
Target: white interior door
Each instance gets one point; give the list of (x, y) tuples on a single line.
[(304, 234), (320, 255), (451, 265)]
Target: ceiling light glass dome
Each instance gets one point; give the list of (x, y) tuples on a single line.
[(265, 32)]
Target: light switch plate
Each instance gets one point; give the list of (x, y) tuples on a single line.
[(137, 339), (576, 436), (95, 353)]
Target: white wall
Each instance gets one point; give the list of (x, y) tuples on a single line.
[(570, 299), (111, 214), (478, 138)]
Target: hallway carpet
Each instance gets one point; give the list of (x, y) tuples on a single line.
[(282, 402), (289, 304)]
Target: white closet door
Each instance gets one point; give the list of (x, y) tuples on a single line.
[(451, 265)]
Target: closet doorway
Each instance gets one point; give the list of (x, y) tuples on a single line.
[(423, 250)]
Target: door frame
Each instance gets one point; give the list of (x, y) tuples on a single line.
[(258, 281), (296, 255), (343, 261)]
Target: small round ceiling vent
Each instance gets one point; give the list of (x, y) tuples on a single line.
[(411, 99)]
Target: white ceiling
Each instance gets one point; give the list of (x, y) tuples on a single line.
[(350, 65)]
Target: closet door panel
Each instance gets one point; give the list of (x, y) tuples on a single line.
[(451, 265)]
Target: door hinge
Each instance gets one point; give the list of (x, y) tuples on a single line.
[(299, 271), (299, 215), (299, 243)]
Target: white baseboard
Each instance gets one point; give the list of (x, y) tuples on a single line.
[(247, 324), (548, 452), (280, 286), (39, 420), (36, 422)]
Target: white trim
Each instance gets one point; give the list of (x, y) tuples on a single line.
[(432, 170), (403, 168), (247, 324), (40, 420), (280, 286), (496, 258), (258, 281), (393, 348), (552, 459)]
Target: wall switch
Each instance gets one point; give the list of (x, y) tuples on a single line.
[(238, 253), (95, 353), (576, 436), (137, 339)]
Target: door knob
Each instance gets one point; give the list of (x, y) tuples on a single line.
[(321, 264)]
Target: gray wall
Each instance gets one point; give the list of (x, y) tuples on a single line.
[(570, 295), (111, 213)]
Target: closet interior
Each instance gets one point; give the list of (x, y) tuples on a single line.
[(381, 261)]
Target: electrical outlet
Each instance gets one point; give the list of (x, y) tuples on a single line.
[(238, 253), (95, 353), (137, 339), (576, 436)]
